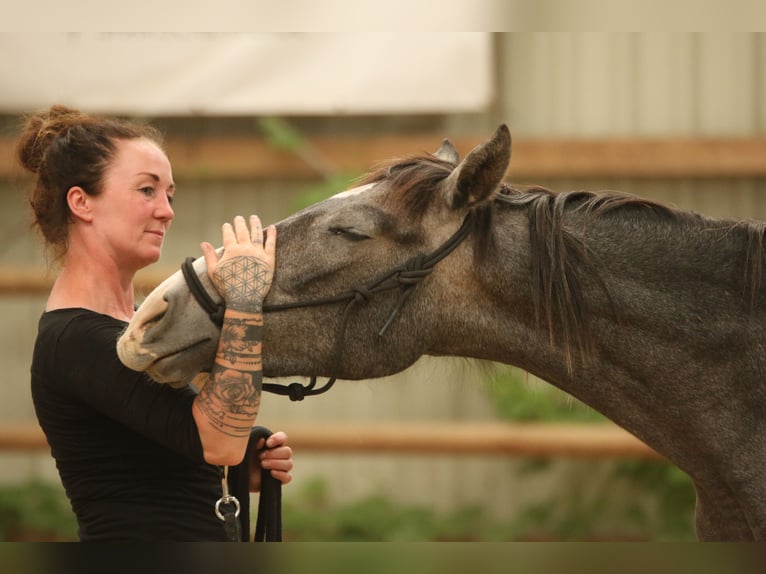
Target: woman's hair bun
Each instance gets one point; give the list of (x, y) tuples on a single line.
[(40, 130)]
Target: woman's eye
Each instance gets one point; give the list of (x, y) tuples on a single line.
[(349, 233), (149, 191)]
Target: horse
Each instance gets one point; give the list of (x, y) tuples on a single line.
[(651, 315)]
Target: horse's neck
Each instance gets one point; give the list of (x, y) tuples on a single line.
[(662, 318)]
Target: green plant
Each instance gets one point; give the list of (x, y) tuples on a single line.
[(35, 510), (518, 399), (637, 496), (309, 515), (323, 189), (281, 135)]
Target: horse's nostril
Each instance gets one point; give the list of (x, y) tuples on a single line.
[(151, 321)]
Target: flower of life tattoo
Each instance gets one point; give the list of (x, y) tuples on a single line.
[(243, 282)]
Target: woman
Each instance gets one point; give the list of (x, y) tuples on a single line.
[(138, 460)]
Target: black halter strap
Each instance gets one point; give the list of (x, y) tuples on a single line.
[(214, 310), (405, 277)]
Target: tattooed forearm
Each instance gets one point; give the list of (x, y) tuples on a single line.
[(231, 401), (232, 396), (243, 282), (240, 338)]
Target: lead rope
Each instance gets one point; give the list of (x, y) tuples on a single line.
[(268, 526), (268, 522)]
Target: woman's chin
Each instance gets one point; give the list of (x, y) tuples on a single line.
[(147, 258)]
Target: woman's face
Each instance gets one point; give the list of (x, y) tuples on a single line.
[(133, 212)]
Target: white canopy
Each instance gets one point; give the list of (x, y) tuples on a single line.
[(247, 74)]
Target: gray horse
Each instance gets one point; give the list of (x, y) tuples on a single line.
[(652, 316)]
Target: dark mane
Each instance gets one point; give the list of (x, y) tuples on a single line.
[(558, 257), (413, 181)]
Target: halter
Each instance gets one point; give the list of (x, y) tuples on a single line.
[(406, 277)]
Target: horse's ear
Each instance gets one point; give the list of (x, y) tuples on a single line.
[(478, 176), (447, 152)]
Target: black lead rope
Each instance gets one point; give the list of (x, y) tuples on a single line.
[(233, 508)]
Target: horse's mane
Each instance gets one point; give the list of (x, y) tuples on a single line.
[(558, 256)]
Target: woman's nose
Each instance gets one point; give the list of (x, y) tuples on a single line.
[(164, 209)]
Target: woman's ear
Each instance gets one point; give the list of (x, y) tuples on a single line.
[(79, 203)]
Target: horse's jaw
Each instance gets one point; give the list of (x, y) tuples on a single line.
[(175, 368), (132, 354), (179, 369), (146, 347)]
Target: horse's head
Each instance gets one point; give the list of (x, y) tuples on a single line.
[(343, 245)]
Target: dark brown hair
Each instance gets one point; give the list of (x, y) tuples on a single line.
[(64, 147)]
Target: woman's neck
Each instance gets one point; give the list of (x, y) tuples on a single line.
[(90, 284)]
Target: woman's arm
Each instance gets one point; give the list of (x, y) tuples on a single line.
[(227, 405)]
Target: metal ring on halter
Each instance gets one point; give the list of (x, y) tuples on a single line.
[(226, 500)]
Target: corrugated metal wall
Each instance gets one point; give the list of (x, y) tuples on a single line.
[(639, 84), (549, 85)]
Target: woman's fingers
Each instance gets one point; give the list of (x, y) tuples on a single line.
[(280, 468), (270, 247), (240, 230), (281, 476), (278, 458), (277, 439), (211, 257), (227, 233), (256, 230), (238, 233)]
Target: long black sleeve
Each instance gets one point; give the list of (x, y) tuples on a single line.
[(127, 448)]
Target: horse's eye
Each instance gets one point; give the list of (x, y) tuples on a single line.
[(349, 233)]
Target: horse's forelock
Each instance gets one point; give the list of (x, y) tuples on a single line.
[(413, 183)]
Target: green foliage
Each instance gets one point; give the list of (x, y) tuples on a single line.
[(310, 516), (36, 510), (280, 134), (672, 495), (660, 497), (590, 505), (518, 400), (316, 192)]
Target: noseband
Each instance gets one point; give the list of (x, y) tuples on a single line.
[(405, 277)]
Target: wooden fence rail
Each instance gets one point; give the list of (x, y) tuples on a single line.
[(220, 158), (537, 440), (29, 280)]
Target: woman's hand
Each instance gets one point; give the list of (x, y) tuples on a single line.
[(243, 275), (277, 457)]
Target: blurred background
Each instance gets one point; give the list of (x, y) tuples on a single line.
[(269, 123)]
